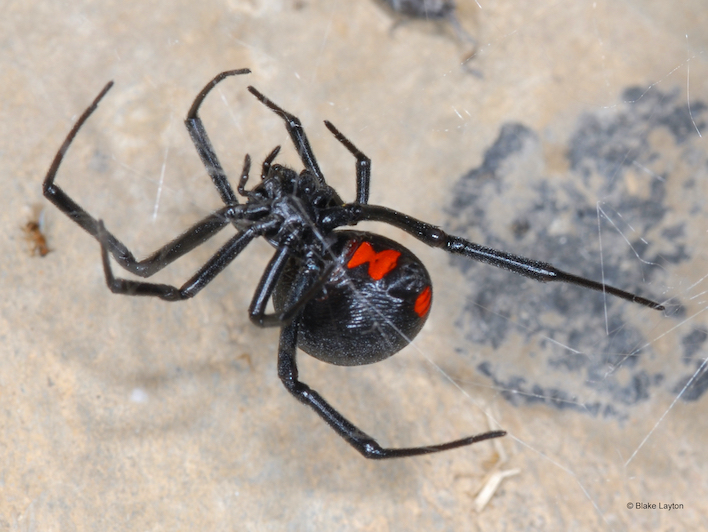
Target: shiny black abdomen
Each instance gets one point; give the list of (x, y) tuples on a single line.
[(373, 304)]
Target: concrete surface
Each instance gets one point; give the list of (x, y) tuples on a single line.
[(123, 413)]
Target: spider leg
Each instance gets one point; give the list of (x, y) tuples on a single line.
[(199, 233), (267, 284), (436, 237), (170, 252), (222, 258), (363, 165), (297, 134), (362, 442), (202, 143)]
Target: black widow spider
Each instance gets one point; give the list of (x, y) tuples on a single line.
[(345, 297)]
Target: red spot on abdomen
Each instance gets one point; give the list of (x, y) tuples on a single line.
[(422, 302), (379, 263)]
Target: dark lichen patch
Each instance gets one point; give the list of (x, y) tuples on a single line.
[(606, 219)]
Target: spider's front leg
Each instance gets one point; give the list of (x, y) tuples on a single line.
[(296, 132), (363, 165), (198, 234), (362, 442), (203, 145)]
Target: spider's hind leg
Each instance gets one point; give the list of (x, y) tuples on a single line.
[(533, 269), (362, 442)]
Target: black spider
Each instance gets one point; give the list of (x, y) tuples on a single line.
[(344, 297)]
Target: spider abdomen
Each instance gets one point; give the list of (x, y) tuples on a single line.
[(372, 305)]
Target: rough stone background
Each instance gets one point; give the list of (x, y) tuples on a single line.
[(572, 136)]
